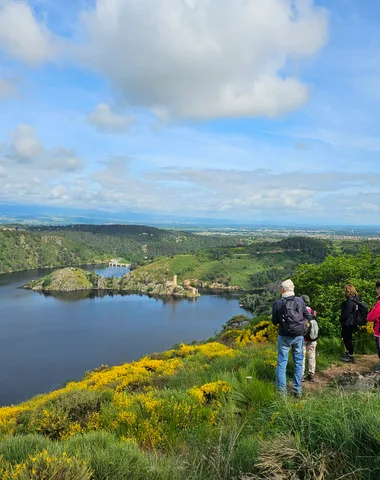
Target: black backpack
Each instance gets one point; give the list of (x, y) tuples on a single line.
[(293, 317), (359, 313)]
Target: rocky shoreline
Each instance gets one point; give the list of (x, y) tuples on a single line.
[(75, 279)]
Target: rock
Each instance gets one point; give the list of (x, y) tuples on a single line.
[(65, 280), (357, 382), (75, 279), (101, 283)]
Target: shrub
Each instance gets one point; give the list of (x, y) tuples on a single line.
[(109, 458), (44, 466), (78, 405), (286, 457), (251, 393), (17, 449), (338, 422), (69, 413)]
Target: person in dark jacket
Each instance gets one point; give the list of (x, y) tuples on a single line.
[(347, 321), (287, 341)]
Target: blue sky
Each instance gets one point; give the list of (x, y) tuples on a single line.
[(227, 109)]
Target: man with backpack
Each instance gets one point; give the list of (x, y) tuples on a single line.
[(290, 314)]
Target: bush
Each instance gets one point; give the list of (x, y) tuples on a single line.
[(286, 457), (109, 458), (17, 449), (44, 466), (78, 405), (251, 393), (69, 414), (324, 284), (348, 424)]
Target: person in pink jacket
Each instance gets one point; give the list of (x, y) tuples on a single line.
[(374, 316)]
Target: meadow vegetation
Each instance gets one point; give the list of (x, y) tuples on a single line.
[(202, 411), (208, 411), (248, 267)]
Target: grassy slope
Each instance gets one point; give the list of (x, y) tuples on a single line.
[(191, 413), (236, 268), (22, 250)]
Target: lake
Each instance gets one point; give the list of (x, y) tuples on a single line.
[(46, 340)]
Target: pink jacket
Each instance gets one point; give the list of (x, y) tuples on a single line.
[(374, 316)]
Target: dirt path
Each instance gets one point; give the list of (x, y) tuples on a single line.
[(364, 364)]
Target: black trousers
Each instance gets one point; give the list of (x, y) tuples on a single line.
[(377, 343), (347, 333)]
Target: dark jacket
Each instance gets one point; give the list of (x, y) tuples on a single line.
[(347, 312), (278, 311)]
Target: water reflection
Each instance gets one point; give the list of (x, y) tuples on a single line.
[(50, 337), (91, 294)]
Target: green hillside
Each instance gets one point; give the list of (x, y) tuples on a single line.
[(23, 250), (137, 242), (40, 247), (209, 411), (247, 267)]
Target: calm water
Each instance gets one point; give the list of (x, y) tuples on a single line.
[(46, 340)]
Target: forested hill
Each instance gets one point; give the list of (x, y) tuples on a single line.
[(37, 247), (135, 242), (23, 250), (248, 267)]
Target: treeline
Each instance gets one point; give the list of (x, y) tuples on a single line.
[(136, 242), (324, 284)]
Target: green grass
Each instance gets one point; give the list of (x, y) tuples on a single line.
[(255, 433), (230, 266)]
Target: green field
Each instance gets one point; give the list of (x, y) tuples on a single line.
[(246, 267)]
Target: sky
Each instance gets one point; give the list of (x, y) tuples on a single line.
[(247, 110)]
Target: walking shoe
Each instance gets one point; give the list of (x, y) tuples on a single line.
[(297, 394), (310, 377), (348, 358)]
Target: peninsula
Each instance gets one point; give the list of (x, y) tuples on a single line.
[(73, 279)]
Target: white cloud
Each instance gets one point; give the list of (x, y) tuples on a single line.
[(250, 194), (105, 120), (23, 36), (58, 193), (26, 148), (25, 145), (7, 88), (65, 160), (205, 58)]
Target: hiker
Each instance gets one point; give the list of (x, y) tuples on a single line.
[(289, 313), (309, 347), (348, 321), (374, 316)]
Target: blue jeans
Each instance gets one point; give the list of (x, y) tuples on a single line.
[(284, 344)]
